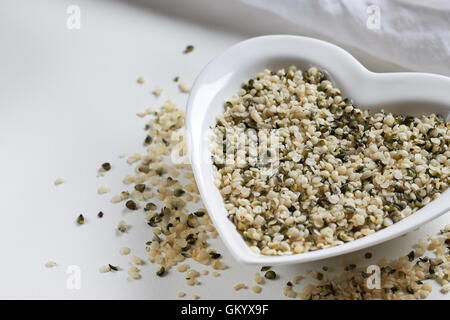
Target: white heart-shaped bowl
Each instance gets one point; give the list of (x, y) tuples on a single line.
[(407, 93)]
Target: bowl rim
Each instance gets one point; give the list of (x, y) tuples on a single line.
[(431, 211)]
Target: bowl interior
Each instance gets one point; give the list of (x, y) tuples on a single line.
[(407, 93)]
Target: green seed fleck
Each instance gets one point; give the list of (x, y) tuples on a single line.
[(191, 239), (199, 213), (350, 208), (431, 269), (150, 206), (188, 49), (411, 172), (161, 272), (106, 166), (343, 237), (144, 169), (115, 268), (80, 219), (130, 204), (215, 255), (178, 192), (140, 187), (271, 275), (148, 140)]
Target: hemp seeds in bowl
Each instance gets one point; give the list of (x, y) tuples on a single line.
[(301, 168)]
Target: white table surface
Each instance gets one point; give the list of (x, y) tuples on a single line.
[(68, 102)]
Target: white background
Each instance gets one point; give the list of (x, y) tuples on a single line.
[(68, 102)]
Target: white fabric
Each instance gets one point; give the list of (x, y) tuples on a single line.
[(414, 34)]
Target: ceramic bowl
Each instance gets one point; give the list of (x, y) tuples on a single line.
[(404, 93)]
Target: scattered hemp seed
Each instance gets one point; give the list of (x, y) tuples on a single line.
[(133, 272), (183, 268), (157, 91), (140, 80), (192, 274), (124, 250), (188, 49), (59, 181), (266, 268), (176, 79), (184, 87), (102, 190), (122, 227), (402, 278), (256, 289), (181, 294), (196, 297), (50, 264), (258, 278), (80, 219), (106, 166), (240, 286), (368, 255), (130, 204), (105, 268), (124, 195), (218, 265), (100, 214), (181, 226), (137, 260), (271, 275)]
